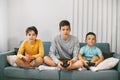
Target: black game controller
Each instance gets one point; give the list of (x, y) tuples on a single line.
[(65, 64), (90, 63)]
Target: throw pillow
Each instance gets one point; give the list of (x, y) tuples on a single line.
[(108, 63), (11, 60)]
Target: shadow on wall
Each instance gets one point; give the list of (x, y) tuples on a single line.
[(47, 35), (13, 43)]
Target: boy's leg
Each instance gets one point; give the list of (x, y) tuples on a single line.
[(94, 59), (22, 63), (49, 61), (38, 61), (76, 65)]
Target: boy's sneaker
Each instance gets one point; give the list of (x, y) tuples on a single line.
[(82, 69), (93, 69)]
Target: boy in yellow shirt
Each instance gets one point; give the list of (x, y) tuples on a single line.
[(31, 51)]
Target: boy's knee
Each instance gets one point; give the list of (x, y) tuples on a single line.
[(79, 62), (96, 57), (46, 58), (39, 60), (18, 61)]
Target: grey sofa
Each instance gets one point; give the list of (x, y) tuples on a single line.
[(8, 72)]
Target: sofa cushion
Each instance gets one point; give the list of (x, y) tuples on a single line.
[(104, 47), (89, 75), (111, 62), (16, 72)]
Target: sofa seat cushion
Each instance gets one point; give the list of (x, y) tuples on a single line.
[(89, 75), (16, 72)]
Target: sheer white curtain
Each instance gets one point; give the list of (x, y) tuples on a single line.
[(99, 16), (3, 26)]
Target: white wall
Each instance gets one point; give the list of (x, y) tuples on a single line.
[(3, 26), (44, 14), (118, 24), (99, 16)]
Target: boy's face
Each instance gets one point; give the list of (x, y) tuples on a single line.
[(65, 32), (90, 40), (31, 36)]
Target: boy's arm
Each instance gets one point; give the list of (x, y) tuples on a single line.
[(80, 57), (52, 52), (76, 51), (101, 58), (21, 50)]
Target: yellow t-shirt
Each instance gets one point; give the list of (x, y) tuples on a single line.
[(35, 50)]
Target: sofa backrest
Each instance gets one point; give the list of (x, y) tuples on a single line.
[(46, 47), (105, 48)]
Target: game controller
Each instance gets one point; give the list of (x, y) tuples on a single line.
[(65, 64), (90, 63)]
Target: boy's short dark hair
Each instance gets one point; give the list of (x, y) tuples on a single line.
[(90, 33), (64, 23), (32, 28)]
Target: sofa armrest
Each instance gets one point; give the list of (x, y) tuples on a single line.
[(3, 60), (116, 55)]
